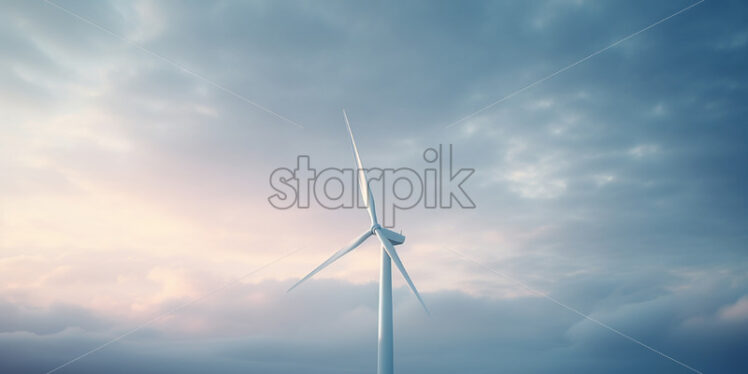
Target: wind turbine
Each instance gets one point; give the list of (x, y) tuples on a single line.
[(389, 239)]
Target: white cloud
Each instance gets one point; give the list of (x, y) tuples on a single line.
[(736, 312), (644, 150)]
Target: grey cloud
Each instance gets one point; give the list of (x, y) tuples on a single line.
[(330, 326), (408, 70), (46, 320)]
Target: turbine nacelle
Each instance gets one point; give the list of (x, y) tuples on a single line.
[(393, 237)]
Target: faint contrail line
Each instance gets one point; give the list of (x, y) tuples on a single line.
[(541, 80), (571, 309), (171, 311), (173, 63)]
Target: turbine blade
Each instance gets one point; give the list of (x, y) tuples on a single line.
[(334, 257), (363, 184), (396, 259)]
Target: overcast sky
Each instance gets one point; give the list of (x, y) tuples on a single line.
[(134, 164)]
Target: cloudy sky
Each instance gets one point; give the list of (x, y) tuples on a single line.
[(135, 159)]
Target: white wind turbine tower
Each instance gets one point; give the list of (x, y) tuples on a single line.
[(389, 239)]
